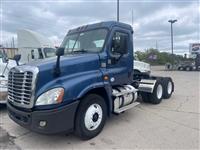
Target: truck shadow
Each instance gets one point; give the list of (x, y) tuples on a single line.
[(2, 107), (69, 141)]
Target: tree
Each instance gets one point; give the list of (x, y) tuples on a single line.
[(154, 57)]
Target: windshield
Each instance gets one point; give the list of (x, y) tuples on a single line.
[(89, 41), (49, 52)]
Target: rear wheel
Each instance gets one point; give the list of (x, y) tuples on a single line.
[(188, 68), (181, 68), (145, 97), (168, 87), (91, 117), (156, 96)]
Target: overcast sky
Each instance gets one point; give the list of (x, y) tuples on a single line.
[(150, 19)]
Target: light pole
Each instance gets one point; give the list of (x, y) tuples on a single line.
[(172, 21), (118, 10)]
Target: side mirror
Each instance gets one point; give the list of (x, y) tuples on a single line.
[(17, 58), (120, 45), (6, 59), (60, 51)]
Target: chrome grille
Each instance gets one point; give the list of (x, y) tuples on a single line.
[(21, 85)]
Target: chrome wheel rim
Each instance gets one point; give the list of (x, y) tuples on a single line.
[(93, 117), (159, 91), (169, 87)]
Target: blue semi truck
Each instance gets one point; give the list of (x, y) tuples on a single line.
[(90, 78)]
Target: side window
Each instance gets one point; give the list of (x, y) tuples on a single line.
[(40, 53), (70, 44), (32, 54), (119, 43)]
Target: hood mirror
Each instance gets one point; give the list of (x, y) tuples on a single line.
[(17, 59), (59, 52)]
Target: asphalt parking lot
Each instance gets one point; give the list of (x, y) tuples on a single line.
[(172, 124)]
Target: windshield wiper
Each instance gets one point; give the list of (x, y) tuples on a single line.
[(80, 51)]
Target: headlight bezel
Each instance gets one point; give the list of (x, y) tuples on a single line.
[(46, 98)]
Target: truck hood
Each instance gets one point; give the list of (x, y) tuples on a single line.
[(65, 61), (69, 65)]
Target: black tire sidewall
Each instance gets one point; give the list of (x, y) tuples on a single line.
[(85, 103), (153, 97), (167, 95), (187, 68), (145, 97)]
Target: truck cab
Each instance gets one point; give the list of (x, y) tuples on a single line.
[(91, 78), (33, 46)]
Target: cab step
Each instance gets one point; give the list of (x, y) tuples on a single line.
[(118, 111)]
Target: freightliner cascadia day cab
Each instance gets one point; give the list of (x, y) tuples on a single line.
[(90, 79)]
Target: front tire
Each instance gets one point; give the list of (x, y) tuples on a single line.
[(91, 116)]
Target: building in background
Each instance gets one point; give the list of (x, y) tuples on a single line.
[(194, 48)]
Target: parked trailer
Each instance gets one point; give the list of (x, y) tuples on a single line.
[(190, 65), (91, 78)]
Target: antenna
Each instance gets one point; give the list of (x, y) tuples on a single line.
[(132, 18), (118, 10), (156, 44), (13, 41)]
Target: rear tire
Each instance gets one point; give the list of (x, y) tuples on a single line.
[(91, 116), (168, 87), (156, 96), (145, 97), (188, 68), (181, 68)]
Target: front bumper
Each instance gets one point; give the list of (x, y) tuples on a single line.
[(57, 120)]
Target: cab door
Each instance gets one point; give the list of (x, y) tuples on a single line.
[(120, 57)]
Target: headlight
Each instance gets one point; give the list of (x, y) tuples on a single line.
[(3, 82), (53, 96)]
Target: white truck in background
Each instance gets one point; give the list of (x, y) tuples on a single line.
[(140, 68), (31, 46), (5, 65)]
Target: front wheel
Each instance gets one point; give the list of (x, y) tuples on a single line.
[(91, 116)]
